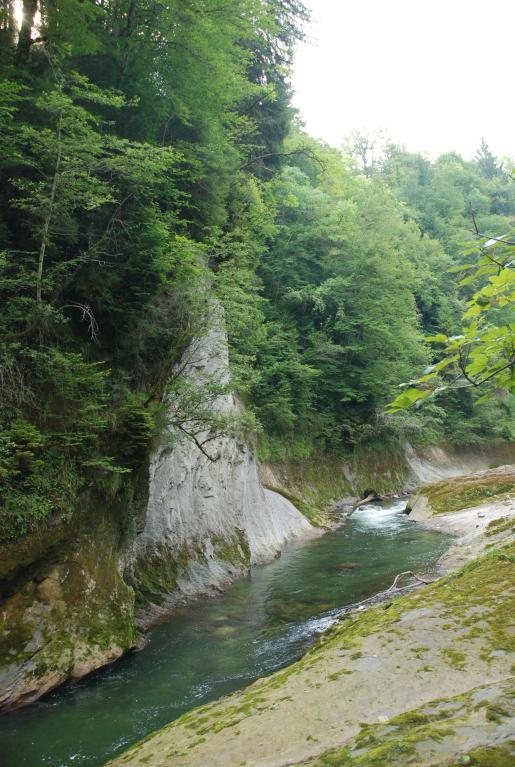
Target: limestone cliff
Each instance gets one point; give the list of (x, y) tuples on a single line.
[(208, 517), (68, 591)]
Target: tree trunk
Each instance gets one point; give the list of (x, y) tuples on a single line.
[(361, 502), (8, 24), (25, 35), (48, 218), (127, 35)]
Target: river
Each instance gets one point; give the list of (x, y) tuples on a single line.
[(213, 647)]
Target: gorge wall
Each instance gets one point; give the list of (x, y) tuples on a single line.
[(208, 518), (74, 593), (319, 486)]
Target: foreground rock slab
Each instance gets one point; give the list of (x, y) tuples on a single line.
[(476, 727), (444, 641)]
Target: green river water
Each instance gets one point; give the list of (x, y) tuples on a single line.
[(216, 646)]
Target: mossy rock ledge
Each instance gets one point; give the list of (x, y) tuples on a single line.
[(458, 493), (426, 680), (65, 609)]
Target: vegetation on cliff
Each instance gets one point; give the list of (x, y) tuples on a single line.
[(149, 156), (129, 139)]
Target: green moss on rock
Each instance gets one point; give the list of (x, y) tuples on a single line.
[(156, 572), (502, 525), (433, 735), (316, 484), (464, 492), (501, 755), (68, 612), (234, 550)]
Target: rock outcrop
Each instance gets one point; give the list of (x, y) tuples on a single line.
[(437, 463), (477, 509), (208, 519), (67, 611), (461, 492), (68, 592)]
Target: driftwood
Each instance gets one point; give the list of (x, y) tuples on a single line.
[(382, 596), (361, 502), (413, 575), (377, 598)]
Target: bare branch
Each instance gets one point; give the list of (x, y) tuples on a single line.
[(413, 575), (199, 445), (303, 150), (87, 314)]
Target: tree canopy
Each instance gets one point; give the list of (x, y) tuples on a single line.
[(150, 157)]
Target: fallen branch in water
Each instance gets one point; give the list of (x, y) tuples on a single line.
[(382, 596), (361, 502), (377, 598)]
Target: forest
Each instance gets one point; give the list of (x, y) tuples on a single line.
[(257, 388), (151, 160)]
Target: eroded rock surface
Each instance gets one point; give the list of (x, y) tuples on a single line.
[(462, 492), (68, 615), (449, 647), (207, 521), (477, 728)]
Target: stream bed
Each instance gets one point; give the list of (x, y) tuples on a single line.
[(213, 647)]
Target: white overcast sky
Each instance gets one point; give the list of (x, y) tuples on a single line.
[(436, 74)]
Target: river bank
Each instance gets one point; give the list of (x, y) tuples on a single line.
[(214, 646), (452, 640), (76, 594), (489, 511)]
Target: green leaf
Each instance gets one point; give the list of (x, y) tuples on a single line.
[(407, 399), (439, 338)]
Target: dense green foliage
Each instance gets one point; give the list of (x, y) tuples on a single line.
[(148, 156), (482, 356), (356, 264), (126, 128)]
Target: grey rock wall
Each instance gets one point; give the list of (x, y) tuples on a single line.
[(68, 606), (207, 521)]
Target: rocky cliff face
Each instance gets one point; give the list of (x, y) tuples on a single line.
[(69, 591), (208, 518), (65, 608), (437, 463)]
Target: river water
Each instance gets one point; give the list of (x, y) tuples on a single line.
[(213, 647)]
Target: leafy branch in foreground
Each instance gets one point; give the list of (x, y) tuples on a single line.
[(483, 355)]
